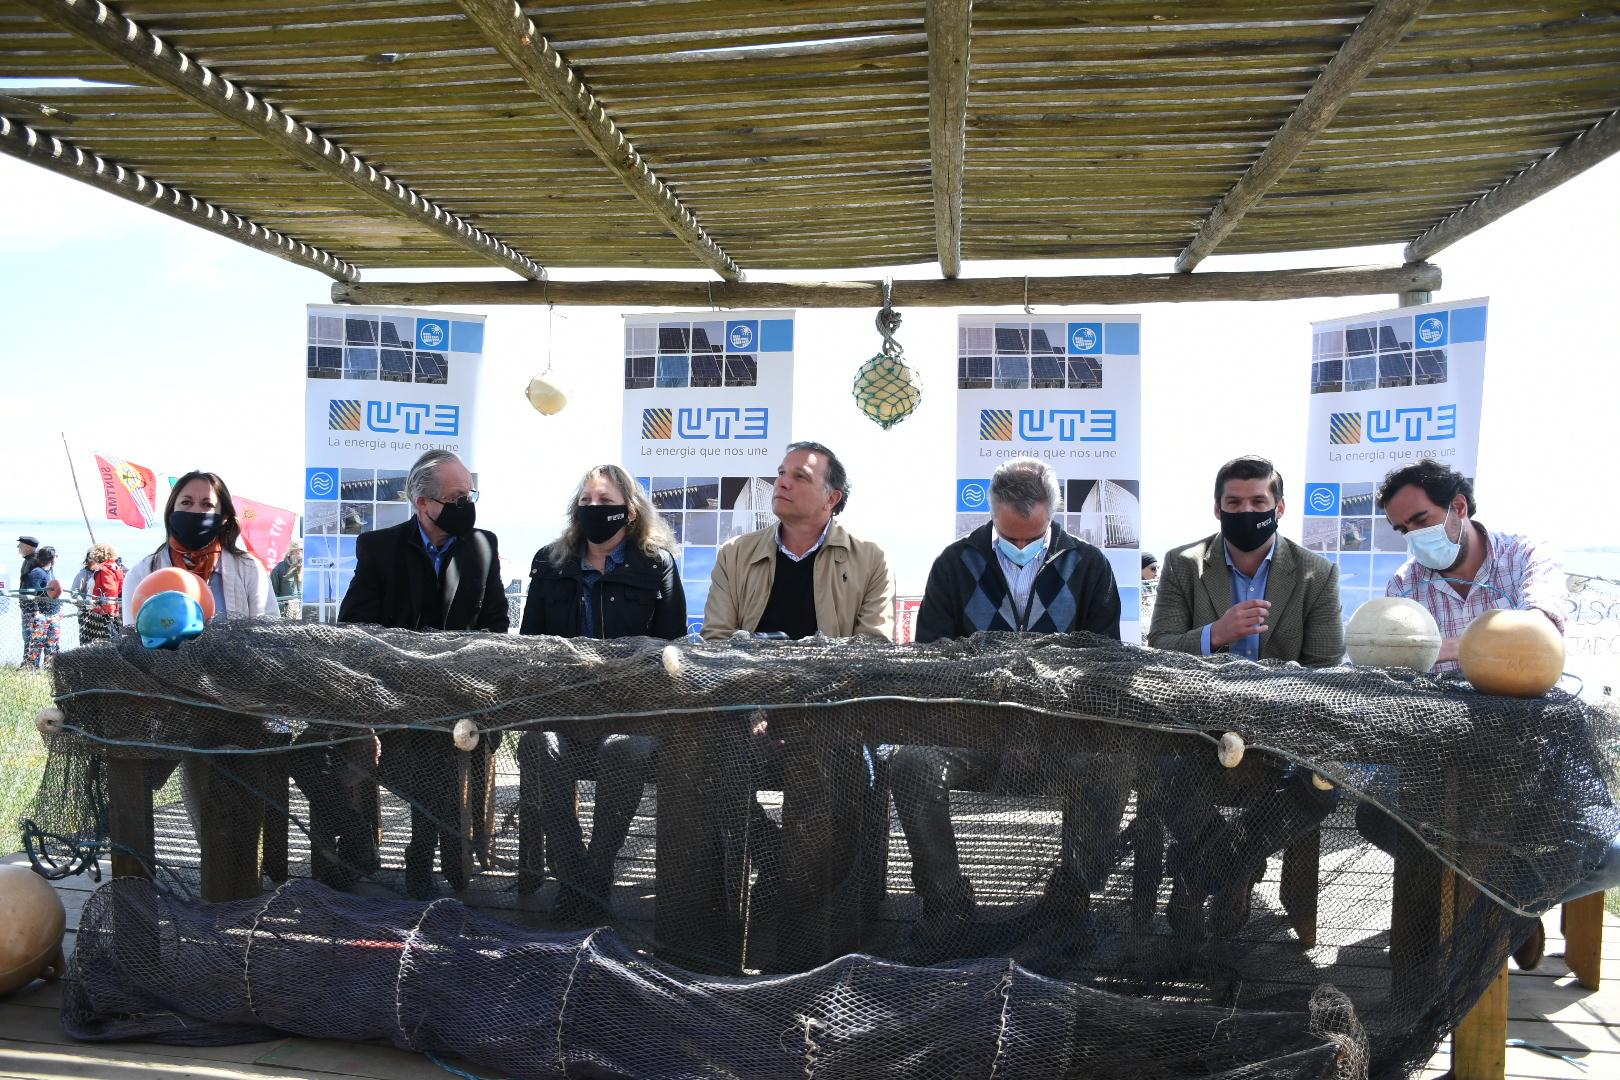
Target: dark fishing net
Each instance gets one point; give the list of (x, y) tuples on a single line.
[(1021, 856)]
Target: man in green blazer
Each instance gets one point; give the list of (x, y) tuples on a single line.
[(1249, 592)]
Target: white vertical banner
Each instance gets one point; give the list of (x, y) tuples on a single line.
[(1066, 390), (708, 408), (1387, 389), (383, 386)]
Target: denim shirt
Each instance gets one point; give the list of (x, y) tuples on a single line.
[(590, 575)]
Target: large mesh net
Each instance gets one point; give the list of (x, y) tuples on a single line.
[(1006, 856)]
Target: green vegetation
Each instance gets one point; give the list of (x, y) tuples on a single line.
[(22, 694)]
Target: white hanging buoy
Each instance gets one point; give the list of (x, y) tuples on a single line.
[(546, 397), (673, 663), (48, 720), (465, 735), (1230, 750)]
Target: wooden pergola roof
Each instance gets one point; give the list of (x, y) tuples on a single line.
[(749, 135)]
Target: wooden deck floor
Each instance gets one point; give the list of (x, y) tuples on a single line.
[(1547, 1008)]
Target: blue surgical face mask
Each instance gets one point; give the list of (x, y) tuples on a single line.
[(1433, 547), (1021, 556)]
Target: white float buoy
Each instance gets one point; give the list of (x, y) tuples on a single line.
[(48, 720), (465, 735), (672, 660), (1230, 750), (546, 397), (1393, 631)]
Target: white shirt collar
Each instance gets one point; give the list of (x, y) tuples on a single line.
[(822, 539)]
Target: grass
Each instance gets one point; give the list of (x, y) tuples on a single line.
[(22, 694)]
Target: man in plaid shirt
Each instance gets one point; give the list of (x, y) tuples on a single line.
[(1457, 569)]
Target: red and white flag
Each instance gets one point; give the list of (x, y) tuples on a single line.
[(131, 492), (266, 529)]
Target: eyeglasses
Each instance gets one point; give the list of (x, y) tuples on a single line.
[(469, 497)]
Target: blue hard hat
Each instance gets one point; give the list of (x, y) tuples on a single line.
[(167, 619)]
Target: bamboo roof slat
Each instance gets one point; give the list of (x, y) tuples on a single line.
[(802, 134)]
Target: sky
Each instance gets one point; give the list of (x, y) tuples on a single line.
[(144, 337)]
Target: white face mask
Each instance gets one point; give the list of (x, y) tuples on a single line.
[(1434, 547)]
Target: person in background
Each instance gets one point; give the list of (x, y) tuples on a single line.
[(44, 614), (103, 595), (611, 574), (26, 547), (83, 580), (287, 581), (1150, 585)]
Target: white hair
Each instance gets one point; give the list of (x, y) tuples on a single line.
[(1025, 483)]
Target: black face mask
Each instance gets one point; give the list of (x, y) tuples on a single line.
[(194, 531), (599, 523), (457, 518), (1248, 530)]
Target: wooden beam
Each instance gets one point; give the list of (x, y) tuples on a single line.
[(950, 37), (523, 46), (59, 156), (136, 46), (1384, 25), (1593, 145), (950, 292)]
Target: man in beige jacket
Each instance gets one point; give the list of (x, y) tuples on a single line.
[(806, 574), (803, 576)]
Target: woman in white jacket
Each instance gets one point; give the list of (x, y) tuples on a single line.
[(202, 535)]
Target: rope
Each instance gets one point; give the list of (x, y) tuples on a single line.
[(888, 321)]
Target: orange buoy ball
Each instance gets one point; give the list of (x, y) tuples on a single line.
[(1393, 631), (173, 579), (31, 924), (1513, 653)]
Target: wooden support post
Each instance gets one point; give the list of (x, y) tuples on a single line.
[(1384, 25), (1479, 1045), (950, 35), (1420, 925), (277, 790), (1301, 865), (702, 818), (65, 159), (515, 36), (1415, 298), (1567, 162), (230, 810), (1583, 939), (132, 44), (952, 292), (129, 817)]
